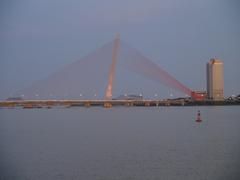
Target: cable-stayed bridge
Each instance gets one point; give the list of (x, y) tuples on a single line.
[(95, 74)]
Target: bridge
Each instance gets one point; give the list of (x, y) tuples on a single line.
[(69, 80), (88, 103)]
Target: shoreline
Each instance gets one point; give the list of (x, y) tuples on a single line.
[(29, 104)]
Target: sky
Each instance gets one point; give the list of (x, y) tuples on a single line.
[(39, 37)]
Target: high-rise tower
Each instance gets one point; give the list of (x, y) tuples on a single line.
[(215, 82)]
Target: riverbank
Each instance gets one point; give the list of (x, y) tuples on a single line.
[(110, 103)]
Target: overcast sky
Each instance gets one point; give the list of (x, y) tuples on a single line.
[(39, 37)]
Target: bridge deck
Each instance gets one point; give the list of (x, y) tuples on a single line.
[(50, 103), (109, 103)]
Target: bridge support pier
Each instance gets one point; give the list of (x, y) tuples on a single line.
[(182, 103), (107, 105), (167, 103), (87, 104), (129, 104), (147, 103)]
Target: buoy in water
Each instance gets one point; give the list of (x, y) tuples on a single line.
[(199, 117)]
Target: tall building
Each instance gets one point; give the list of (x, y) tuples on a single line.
[(215, 82)]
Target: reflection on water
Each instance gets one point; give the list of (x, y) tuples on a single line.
[(120, 143)]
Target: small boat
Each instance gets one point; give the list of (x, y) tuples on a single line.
[(199, 117)]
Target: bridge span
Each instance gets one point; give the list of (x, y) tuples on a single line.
[(89, 103), (29, 104)]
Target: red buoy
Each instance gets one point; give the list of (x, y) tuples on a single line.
[(198, 117)]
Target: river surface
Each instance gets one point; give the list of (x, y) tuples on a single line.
[(121, 143)]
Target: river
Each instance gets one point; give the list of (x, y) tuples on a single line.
[(132, 143)]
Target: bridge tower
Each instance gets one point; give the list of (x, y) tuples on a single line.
[(116, 46)]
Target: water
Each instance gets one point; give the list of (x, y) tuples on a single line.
[(120, 143)]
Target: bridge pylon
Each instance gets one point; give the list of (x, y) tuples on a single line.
[(116, 46)]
